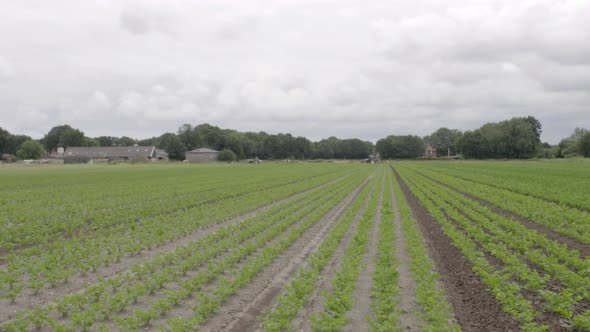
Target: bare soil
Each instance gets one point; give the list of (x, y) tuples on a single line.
[(361, 311), (474, 306), (409, 318)]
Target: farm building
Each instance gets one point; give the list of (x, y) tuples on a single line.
[(161, 154), (430, 152), (202, 155), (74, 155)]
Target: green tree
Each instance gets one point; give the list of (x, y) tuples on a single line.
[(172, 144), (87, 141), (471, 144), (400, 147), (584, 145), (226, 155), (190, 137), (63, 136), (514, 138), (579, 133), (30, 150), (444, 140), (105, 140), (10, 143), (4, 137), (126, 141), (233, 142)]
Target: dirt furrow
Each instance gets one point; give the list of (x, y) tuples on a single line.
[(316, 303), (361, 311), (409, 318), (475, 308), (76, 284), (240, 312)]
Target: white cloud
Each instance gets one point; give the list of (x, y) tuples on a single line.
[(6, 69)]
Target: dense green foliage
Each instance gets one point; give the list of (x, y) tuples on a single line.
[(264, 145), (30, 150), (116, 141), (400, 147), (226, 155), (584, 145), (444, 140), (517, 138), (172, 145), (65, 136), (10, 143), (574, 145)]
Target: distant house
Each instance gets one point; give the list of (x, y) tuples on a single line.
[(76, 154), (202, 155), (430, 152)]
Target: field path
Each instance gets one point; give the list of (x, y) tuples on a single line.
[(324, 284), (241, 311), (76, 284), (474, 307), (361, 311), (409, 319)]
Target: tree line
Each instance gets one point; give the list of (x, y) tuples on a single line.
[(516, 138)]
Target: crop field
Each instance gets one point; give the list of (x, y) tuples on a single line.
[(420, 246)]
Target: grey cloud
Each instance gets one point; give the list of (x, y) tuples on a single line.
[(141, 19), (135, 22), (314, 68)]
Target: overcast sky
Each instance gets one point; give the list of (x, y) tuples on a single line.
[(349, 68)]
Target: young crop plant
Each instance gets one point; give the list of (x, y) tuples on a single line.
[(102, 300), (301, 287), (72, 245), (517, 247), (434, 308), (208, 303), (506, 291), (385, 290), (341, 299)]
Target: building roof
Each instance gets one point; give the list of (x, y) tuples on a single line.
[(430, 148), (130, 152), (203, 150)]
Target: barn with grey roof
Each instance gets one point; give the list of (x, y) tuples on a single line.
[(202, 155), (77, 154)]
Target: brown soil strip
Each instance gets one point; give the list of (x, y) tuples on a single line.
[(324, 285), (76, 284), (241, 311), (554, 321), (544, 317), (475, 308), (572, 244), (409, 318)]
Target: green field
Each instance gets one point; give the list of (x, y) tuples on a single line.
[(303, 246)]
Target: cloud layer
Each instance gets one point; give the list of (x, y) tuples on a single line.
[(348, 68)]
